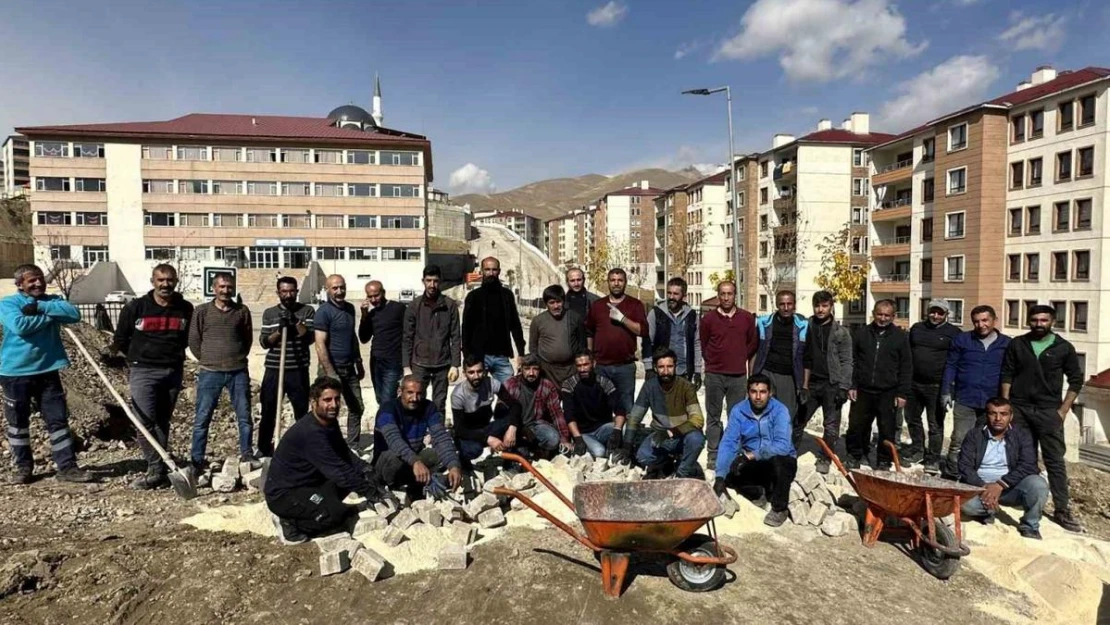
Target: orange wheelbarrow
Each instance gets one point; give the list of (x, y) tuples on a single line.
[(653, 516), (916, 501)]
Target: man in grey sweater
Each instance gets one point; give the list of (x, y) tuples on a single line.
[(556, 335)]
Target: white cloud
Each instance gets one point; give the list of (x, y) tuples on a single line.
[(471, 179), (1034, 33), (687, 48), (821, 40), (958, 82), (607, 15)]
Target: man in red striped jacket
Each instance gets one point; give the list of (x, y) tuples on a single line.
[(545, 428)]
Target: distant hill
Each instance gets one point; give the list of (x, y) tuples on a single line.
[(548, 199)]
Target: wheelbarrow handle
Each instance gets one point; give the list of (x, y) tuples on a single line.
[(540, 510), (729, 556), (836, 461), (539, 476), (894, 455)]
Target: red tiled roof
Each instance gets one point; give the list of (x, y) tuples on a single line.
[(717, 178), (1062, 82), (838, 135)]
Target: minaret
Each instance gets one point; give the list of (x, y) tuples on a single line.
[(377, 114)]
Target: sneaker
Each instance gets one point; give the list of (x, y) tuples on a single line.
[(288, 533), (23, 475), (1028, 532), (75, 474), (822, 465), (775, 518), (255, 463), (911, 456), (1065, 519), (852, 463), (932, 467), (882, 466), (150, 481)]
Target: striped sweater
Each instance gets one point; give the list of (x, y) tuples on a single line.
[(297, 349), (677, 408), (221, 339)]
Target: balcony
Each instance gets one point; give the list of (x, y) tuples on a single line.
[(785, 172), (891, 283), (892, 172), (892, 210), (785, 229), (898, 246), (785, 203)]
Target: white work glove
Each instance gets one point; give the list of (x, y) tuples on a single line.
[(946, 401), (615, 314), (408, 371), (452, 375)]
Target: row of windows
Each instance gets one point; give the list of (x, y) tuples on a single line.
[(237, 220), (280, 257), (70, 184), (1067, 215), (90, 254), (1083, 160), (58, 218), (64, 149), (1080, 266), (1069, 315), (280, 155), (1031, 125), (295, 189)]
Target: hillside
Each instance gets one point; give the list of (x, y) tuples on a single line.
[(548, 199)]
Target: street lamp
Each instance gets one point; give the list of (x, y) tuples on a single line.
[(732, 177)]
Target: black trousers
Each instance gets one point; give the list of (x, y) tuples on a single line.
[(869, 406), (314, 510), (395, 473), (769, 478), (822, 394), (296, 389), (1048, 432), (926, 397)]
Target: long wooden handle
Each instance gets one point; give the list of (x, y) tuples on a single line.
[(280, 388)]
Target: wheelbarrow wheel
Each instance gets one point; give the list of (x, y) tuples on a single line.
[(938, 564), (694, 577)]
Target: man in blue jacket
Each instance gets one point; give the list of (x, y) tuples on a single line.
[(1003, 459), (757, 456), (972, 375), (31, 356), (782, 343)]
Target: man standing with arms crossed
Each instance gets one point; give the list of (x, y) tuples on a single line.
[(153, 332), (828, 374), (383, 320), (930, 341), (338, 353), (675, 327), (491, 324), (296, 319), (31, 356), (431, 345), (728, 344), (612, 326), (1033, 372)]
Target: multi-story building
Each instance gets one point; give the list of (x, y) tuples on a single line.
[(708, 248), (670, 237), (447, 220), (1000, 204), (16, 157), (521, 223), (256, 192), (562, 240), (808, 190), (746, 174), (627, 217)]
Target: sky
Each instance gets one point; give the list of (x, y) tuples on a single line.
[(511, 91)]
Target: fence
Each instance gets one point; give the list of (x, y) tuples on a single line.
[(106, 320)]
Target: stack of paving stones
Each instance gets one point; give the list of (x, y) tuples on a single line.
[(816, 501)]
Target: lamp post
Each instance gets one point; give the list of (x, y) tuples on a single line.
[(731, 176)]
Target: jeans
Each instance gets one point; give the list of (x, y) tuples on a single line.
[(769, 478), (926, 397), (869, 406), (154, 392), (964, 420), (1030, 495), (624, 378), (314, 510), (296, 389), (470, 449), (1048, 432), (385, 375), (687, 447), (822, 394), (499, 367), (543, 435), (46, 390), (209, 386), (721, 390), (396, 473), (436, 378), (597, 441), (352, 396)]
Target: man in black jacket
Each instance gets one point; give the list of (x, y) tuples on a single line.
[(153, 332), (1003, 459), (383, 320), (579, 299), (430, 343), (882, 376), (297, 321), (929, 344), (827, 374), (490, 323), (1033, 371)]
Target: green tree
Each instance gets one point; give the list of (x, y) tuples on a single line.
[(839, 275)]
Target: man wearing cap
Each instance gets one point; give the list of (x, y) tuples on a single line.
[(930, 341)]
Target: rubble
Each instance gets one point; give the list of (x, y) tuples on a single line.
[(491, 518)]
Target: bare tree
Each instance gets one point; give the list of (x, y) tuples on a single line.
[(786, 251), (684, 243), (61, 271)]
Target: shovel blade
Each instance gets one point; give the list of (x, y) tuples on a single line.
[(182, 484)]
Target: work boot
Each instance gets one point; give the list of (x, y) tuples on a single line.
[(775, 518), (852, 463), (23, 475), (760, 503), (150, 481), (1065, 519), (288, 533), (911, 456), (254, 463), (202, 478), (822, 465), (75, 474), (1028, 532), (932, 466)]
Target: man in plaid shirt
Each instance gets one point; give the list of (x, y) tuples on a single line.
[(545, 430)]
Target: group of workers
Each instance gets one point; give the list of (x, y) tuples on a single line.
[(571, 389)]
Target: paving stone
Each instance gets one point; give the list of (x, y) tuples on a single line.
[(810, 481), (480, 504), (561, 461), (796, 492), (461, 533), (404, 519), (230, 468), (523, 481), (432, 517), (421, 505), (817, 513), (369, 563), (823, 495), (332, 542), (386, 510), (614, 473), (368, 524), (491, 518), (498, 481), (252, 480), (224, 484), (635, 474), (393, 536), (839, 523), (452, 557), (600, 464), (450, 511), (334, 562), (798, 511)]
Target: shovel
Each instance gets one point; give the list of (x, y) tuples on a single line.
[(182, 481), (277, 418)]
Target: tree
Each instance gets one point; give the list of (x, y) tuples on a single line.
[(610, 254), (684, 242), (718, 277), (838, 275), (61, 271), (786, 250)]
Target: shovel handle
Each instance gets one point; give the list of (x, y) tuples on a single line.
[(539, 476), (280, 388), (123, 404)]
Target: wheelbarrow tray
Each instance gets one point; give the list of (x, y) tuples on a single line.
[(654, 515), (903, 494)]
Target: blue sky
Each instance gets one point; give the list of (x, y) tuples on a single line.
[(515, 91)]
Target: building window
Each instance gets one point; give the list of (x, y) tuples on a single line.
[(1060, 319), (762, 302), (359, 189), (364, 253), (329, 221), (48, 218), (1065, 113), (360, 157), (1083, 265), (861, 187), (1081, 358), (227, 187), (60, 252), (88, 150), (297, 189), (1079, 316), (1033, 225), (763, 169), (1017, 126), (261, 220), (93, 254), (857, 157), (1025, 306), (1063, 166), (362, 221), (157, 152), (231, 255), (1017, 175), (161, 253), (193, 220), (1013, 267), (52, 184), (329, 156), (296, 221), (402, 222), (331, 253), (926, 229), (192, 186), (161, 220), (857, 215), (928, 150), (954, 269), (262, 188), (295, 156), (400, 190), (1036, 124), (956, 312), (158, 186), (1083, 214), (227, 220), (1032, 267), (1036, 168), (196, 253), (1015, 222), (927, 190), (401, 253), (1087, 110), (740, 199), (192, 153), (957, 181), (296, 257), (227, 155), (92, 219), (1061, 220), (261, 155), (95, 185), (954, 225), (926, 270), (763, 249), (1086, 164), (1060, 266), (762, 223), (957, 137), (1013, 313), (51, 149), (400, 158), (329, 189), (264, 258)]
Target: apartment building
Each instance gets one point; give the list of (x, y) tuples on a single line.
[(16, 161), (1000, 204), (708, 248), (746, 173), (562, 239), (808, 189), (670, 237), (521, 223), (447, 220), (256, 192), (627, 217)]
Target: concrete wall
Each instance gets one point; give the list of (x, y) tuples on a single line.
[(124, 196)]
